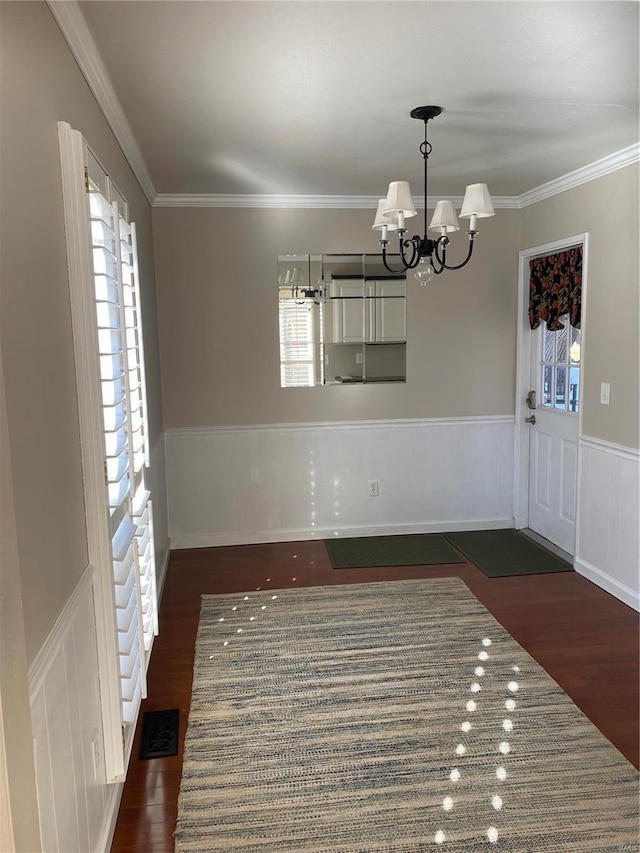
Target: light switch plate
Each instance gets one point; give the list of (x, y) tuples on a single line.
[(605, 393)]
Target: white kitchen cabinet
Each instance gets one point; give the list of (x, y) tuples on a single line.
[(370, 311)]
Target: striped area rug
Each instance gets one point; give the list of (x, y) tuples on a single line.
[(393, 717)]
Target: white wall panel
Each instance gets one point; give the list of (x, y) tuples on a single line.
[(297, 481), (158, 485), (608, 549), (77, 808)]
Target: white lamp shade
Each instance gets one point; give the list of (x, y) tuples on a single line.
[(477, 202), (399, 200), (444, 217), (382, 220)]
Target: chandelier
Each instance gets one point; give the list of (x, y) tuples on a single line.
[(426, 256)]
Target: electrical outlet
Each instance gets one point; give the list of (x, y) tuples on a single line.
[(358, 358), (605, 393), (374, 488)]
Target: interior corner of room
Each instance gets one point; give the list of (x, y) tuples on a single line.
[(203, 347)]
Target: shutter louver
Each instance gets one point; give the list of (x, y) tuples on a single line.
[(122, 417)]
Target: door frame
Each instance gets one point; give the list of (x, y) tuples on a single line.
[(523, 366)]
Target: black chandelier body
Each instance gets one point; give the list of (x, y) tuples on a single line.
[(430, 253)]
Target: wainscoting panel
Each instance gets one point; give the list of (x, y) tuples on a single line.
[(77, 808), (158, 484), (238, 485), (608, 542)]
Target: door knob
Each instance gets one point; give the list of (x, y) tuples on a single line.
[(531, 420)]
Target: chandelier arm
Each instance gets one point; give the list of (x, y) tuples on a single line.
[(436, 264), (414, 242), (442, 260), (387, 267)]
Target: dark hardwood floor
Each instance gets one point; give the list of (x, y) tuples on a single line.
[(585, 639)]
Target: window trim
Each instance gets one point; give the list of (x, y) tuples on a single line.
[(117, 739)]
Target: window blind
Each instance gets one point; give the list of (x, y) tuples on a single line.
[(296, 344)]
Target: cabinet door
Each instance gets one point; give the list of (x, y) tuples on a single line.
[(390, 314), (349, 312)]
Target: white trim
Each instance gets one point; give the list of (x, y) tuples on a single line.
[(610, 163), (221, 539), (78, 237), (619, 590), (316, 202), (111, 811), (618, 160), (162, 574), (622, 450), (523, 349), (50, 648), (78, 36), (332, 426)]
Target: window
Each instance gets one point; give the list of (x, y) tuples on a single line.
[(105, 301), (297, 344), (560, 367)]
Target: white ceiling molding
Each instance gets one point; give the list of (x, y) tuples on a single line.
[(334, 202), (74, 28), (618, 160), (611, 163)]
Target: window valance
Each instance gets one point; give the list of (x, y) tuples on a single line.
[(555, 288)]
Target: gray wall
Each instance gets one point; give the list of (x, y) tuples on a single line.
[(218, 319), (608, 209), (43, 530), (41, 84)]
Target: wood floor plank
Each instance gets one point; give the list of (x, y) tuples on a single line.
[(585, 638)]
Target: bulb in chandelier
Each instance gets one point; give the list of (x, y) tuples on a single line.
[(423, 273)]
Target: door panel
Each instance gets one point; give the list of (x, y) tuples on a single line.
[(553, 437), (552, 480)]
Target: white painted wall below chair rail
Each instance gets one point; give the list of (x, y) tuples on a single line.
[(608, 532), (77, 807), (284, 482), (240, 485)]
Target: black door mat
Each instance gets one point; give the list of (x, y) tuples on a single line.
[(160, 734), (363, 552), (506, 553)]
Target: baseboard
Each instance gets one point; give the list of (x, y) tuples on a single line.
[(111, 817), (611, 585), (214, 540)]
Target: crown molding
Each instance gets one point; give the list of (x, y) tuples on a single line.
[(74, 28), (316, 202), (611, 163)]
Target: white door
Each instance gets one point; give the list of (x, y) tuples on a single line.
[(553, 438)]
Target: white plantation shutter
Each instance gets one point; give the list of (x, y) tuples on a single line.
[(122, 415), (142, 506), (105, 301), (296, 344)]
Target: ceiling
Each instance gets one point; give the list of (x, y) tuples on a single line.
[(314, 97)]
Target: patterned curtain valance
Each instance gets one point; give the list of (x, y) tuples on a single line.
[(555, 288)]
